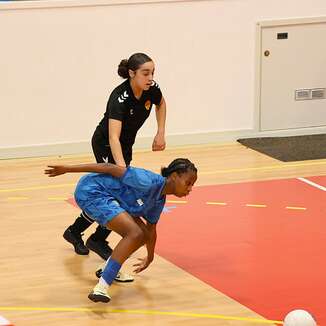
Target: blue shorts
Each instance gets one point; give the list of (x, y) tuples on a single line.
[(102, 209)]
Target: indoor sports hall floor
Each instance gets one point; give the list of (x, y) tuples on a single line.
[(244, 248)]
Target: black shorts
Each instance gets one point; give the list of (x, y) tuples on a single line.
[(102, 150)]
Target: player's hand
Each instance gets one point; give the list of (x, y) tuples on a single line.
[(158, 143), (55, 170), (141, 265)]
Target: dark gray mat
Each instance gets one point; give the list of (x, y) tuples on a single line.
[(288, 149)]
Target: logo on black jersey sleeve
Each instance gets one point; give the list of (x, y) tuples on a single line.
[(154, 84), (123, 97)]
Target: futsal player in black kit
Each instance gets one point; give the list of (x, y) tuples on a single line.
[(128, 107)]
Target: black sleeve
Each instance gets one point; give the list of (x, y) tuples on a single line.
[(156, 93), (115, 109)]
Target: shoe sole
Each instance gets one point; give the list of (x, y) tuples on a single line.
[(98, 298), (76, 250), (124, 281)]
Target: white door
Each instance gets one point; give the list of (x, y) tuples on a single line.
[(293, 76)]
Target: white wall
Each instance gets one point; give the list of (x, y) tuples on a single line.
[(58, 65)]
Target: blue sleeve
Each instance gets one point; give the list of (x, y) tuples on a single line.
[(140, 179), (154, 214)]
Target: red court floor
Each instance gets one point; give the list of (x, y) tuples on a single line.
[(261, 243)]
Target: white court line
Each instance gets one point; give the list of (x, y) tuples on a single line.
[(312, 184)]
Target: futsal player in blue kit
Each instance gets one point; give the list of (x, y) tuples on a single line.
[(128, 201)]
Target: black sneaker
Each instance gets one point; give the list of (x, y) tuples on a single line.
[(77, 241), (101, 247)]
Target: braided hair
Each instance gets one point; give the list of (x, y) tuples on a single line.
[(179, 165)]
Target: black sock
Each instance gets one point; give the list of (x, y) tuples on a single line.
[(81, 224), (100, 234)]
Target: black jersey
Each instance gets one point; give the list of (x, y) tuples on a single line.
[(123, 106)]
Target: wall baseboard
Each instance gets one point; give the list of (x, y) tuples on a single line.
[(144, 143)]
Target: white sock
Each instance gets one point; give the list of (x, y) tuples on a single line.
[(103, 283)]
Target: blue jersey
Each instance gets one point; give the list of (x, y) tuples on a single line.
[(138, 192)]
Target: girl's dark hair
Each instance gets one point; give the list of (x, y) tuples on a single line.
[(179, 165), (133, 63)]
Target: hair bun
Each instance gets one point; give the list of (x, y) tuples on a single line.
[(123, 70), (164, 172)]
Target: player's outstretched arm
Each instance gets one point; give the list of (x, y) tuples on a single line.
[(145, 262), (107, 168)]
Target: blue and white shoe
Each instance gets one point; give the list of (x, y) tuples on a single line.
[(121, 276)]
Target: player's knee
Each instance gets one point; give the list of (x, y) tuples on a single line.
[(137, 235)]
